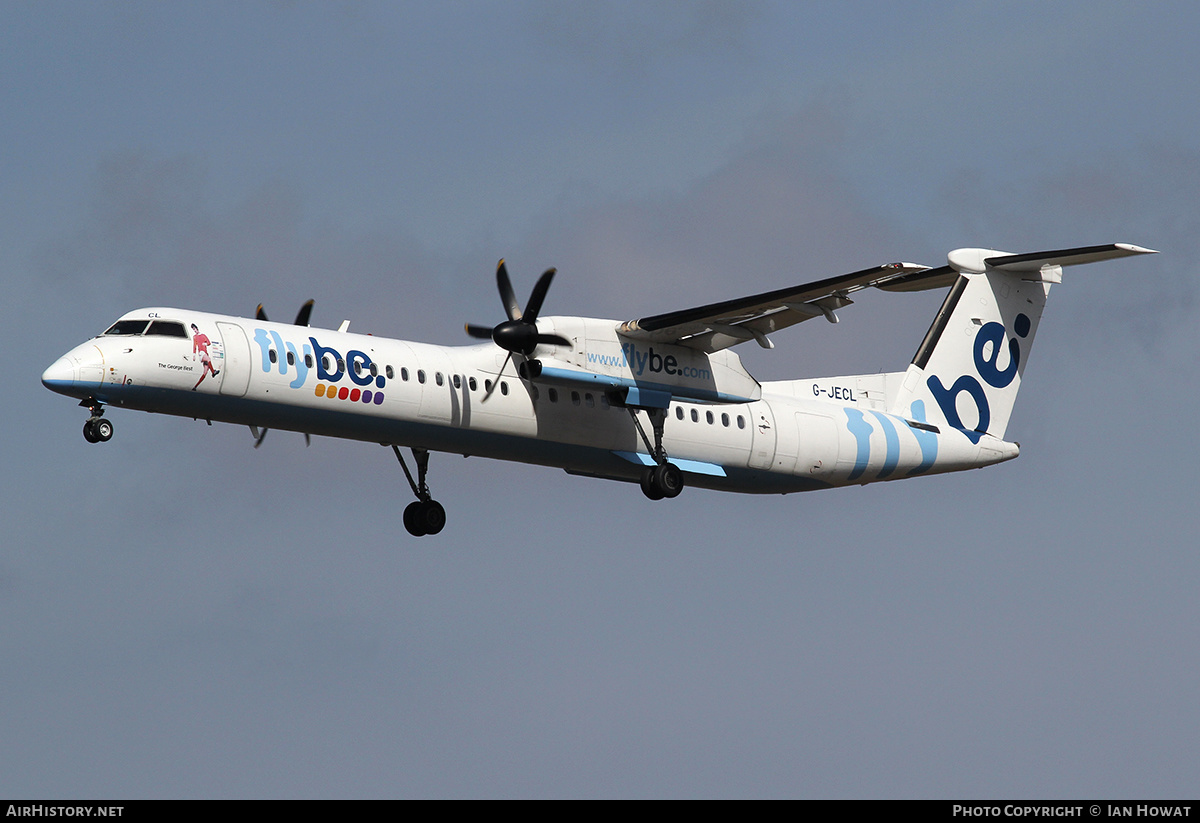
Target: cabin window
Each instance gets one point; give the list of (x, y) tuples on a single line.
[(272, 355), (574, 398), (604, 402), (166, 328), (341, 364), (358, 367), (552, 394), (589, 401), (679, 412), (471, 384), (741, 422), (291, 358), (504, 389), (127, 327), (487, 386), (308, 361), (695, 416), (420, 375), (457, 381), (374, 370), (709, 417), (403, 373), (325, 363), (724, 420), (437, 378), (390, 372)]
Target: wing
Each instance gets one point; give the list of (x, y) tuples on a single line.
[(721, 325)]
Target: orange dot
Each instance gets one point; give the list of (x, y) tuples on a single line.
[(320, 390)]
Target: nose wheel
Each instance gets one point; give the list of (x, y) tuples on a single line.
[(97, 429)]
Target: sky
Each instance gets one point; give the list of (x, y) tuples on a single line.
[(182, 615)]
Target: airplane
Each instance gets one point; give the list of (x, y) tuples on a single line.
[(661, 401)]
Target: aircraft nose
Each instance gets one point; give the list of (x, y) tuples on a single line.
[(60, 376)]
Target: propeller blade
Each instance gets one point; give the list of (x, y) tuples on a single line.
[(539, 294), (261, 438), (496, 382), (507, 296), (482, 332), (260, 314), (554, 340), (304, 313)]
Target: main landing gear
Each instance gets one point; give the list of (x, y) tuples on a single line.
[(97, 429), (425, 515), (664, 479)]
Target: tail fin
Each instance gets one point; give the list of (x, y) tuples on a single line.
[(968, 370)]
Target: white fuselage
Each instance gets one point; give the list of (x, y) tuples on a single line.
[(722, 428)]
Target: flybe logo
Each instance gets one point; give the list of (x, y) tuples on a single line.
[(639, 362), (986, 364), (329, 365)]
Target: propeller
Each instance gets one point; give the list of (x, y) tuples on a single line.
[(519, 333), (302, 317)]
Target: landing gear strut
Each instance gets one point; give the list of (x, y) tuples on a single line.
[(97, 429), (663, 479), (425, 515)]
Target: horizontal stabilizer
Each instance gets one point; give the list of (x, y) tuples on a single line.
[(974, 261)]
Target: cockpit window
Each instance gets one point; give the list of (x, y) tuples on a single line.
[(167, 328), (127, 327)]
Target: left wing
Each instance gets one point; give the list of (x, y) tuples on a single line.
[(721, 325)]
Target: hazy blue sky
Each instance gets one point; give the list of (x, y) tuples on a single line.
[(181, 615)]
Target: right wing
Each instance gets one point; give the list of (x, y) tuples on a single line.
[(721, 325)]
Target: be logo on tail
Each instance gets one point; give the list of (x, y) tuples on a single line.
[(987, 358)]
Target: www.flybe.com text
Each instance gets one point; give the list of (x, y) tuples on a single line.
[(639, 362)]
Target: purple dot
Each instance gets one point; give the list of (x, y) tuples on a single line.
[(366, 395), (378, 398)]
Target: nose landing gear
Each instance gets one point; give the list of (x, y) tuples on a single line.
[(97, 429)]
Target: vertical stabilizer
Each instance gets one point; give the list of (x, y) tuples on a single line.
[(968, 369)]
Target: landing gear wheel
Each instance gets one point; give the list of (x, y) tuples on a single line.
[(412, 519), (649, 486), (89, 432), (433, 516), (663, 480), (103, 429), (422, 517), (669, 479)]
